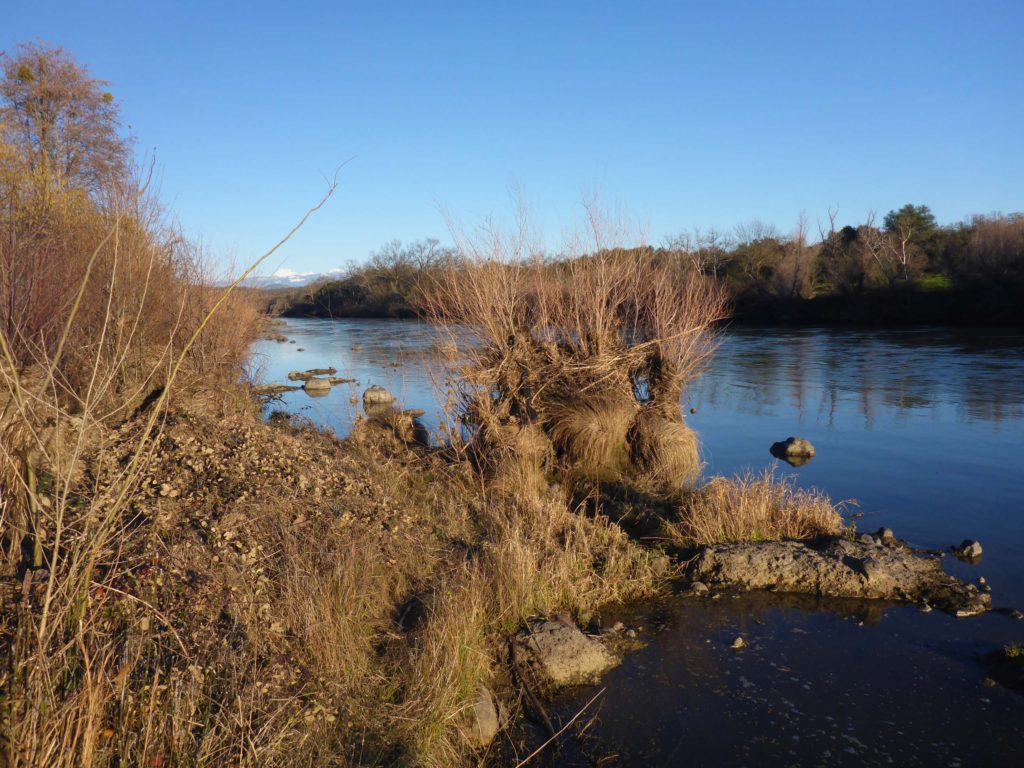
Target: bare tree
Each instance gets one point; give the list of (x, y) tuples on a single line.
[(61, 119)]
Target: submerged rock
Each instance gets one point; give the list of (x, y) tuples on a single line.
[(794, 450), (562, 655), (839, 567), (273, 389), (1006, 666)]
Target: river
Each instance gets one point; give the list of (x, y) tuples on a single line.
[(919, 430)]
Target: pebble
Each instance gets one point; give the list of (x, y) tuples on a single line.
[(738, 643)]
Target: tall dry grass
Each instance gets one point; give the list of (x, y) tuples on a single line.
[(118, 323), (753, 508)]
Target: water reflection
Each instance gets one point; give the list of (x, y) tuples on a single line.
[(820, 373)]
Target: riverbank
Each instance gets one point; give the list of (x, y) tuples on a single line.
[(280, 589), (350, 597)]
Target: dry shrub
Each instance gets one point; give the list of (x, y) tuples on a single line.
[(576, 345), (754, 508)]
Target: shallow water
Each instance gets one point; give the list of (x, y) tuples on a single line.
[(923, 428)]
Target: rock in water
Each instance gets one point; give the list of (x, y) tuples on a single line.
[(793, 450), (968, 550), (317, 386), (562, 655), (377, 396), (839, 567)]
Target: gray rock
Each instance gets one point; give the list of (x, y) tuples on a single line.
[(377, 396), (562, 655), (485, 718), (317, 386), (885, 534), (837, 567), (698, 588), (968, 550)]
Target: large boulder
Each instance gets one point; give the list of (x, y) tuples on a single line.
[(838, 567), (560, 654)]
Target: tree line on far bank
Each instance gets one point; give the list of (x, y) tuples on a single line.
[(906, 268)]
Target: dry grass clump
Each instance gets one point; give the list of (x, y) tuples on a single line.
[(754, 508), (665, 448)]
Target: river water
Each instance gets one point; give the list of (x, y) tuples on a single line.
[(922, 430)]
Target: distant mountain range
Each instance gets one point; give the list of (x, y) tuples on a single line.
[(287, 278)]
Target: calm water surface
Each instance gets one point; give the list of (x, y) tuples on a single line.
[(923, 428)]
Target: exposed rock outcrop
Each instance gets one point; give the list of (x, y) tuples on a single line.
[(876, 568)]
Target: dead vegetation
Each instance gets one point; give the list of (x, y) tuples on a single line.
[(753, 508)]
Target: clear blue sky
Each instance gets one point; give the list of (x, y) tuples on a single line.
[(684, 114)]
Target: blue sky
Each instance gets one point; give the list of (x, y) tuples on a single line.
[(683, 114)]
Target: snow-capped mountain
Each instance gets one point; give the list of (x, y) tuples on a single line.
[(288, 278)]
